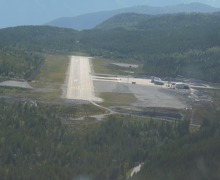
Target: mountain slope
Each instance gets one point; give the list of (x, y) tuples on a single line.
[(143, 22), (36, 12), (180, 32), (38, 38), (89, 21), (125, 21), (182, 44), (186, 158)]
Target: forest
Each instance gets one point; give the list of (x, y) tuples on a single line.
[(19, 64), (198, 64), (36, 144), (186, 38), (195, 156)]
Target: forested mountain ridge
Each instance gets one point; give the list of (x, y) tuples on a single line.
[(179, 34), (89, 21), (37, 38), (180, 39), (124, 20), (168, 21), (182, 44)]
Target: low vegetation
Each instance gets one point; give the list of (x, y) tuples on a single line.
[(51, 78), (117, 99), (100, 66), (10, 91), (54, 69), (107, 66)]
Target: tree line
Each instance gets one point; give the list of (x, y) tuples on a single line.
[(36, 144), (19, 64), (194, 156), (192, 64), (157, 38)]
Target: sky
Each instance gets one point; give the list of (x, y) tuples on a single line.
[(37, 12)]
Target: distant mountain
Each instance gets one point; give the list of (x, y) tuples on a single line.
[(91, 20), (125, 21), (168, 45), (36, 12), (133, 21)]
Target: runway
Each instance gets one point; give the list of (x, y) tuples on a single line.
[(80, 84)]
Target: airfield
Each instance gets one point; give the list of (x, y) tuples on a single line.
[(82, 84), (74, 80)]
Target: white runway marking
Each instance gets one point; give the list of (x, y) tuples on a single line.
[(80, 84)]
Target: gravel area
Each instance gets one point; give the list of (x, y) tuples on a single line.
[(147, 96), (17, 84), (126, 65)]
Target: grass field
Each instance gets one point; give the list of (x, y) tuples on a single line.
[(54, 69), (48, 83), (3, 79), (51, 77), (104, 66), (117, 99), (11, 91), (100, 65)]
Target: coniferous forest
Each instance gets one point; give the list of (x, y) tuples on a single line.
[(168, 45), (36, 144)]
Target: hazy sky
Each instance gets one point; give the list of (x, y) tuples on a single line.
[(33, 12)]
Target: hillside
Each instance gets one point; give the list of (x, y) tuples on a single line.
[(180, 33), (38, 38), (19, 64), (186, 158), (22, 48), (182, 44), (125, 20), (149, 22), (89, 21), (177, 42), (36, 143)]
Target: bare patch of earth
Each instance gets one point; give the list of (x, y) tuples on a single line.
[(158, 113), (17, 84), (126, 65)]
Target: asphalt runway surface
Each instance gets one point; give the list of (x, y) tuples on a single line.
[(79, 84)]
